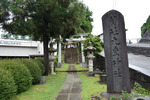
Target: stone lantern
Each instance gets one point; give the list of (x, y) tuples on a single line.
[(52, 57), (90, 56)]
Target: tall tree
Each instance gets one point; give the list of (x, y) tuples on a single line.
[(46, 18), (86, 24)]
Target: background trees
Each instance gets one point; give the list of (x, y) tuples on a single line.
[(45, 18), (96, 42), (145, 27)]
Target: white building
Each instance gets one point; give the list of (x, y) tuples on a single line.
[(19, 46)]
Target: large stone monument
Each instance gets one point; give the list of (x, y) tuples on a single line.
[(116, 60)]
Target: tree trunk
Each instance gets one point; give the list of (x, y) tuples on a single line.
[(46, 59)]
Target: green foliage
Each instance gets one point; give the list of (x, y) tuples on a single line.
[(34, 70), (20, 73), (48, 18), (140, 90), (79, 47), (40, 62), (41, 59), (55, 61), (7, 85), (4, 11), (86, 24), (96, 42), (125, 94), (114, 98), (145, 27)]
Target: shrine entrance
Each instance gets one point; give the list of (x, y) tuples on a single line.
[(71, 55)]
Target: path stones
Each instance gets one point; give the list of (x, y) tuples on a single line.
[(72, 87), (115, 52)]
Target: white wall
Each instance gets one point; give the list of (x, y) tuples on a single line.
[(17, 51), (20, 47)]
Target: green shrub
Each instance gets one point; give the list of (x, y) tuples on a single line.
[(34, 70), (140, 90), (7, 85), (55, 62), (20, 73), (41, 59), (41, 65)]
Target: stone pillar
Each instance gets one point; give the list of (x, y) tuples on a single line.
[(82, 54), (52, 68), (90, 56), (59, 64), (51, 56), (115, 48), (90, 64), (51, 63)]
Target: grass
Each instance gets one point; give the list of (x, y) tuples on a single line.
[(47, 91), (64, 67), (78, 67), (90, 86)]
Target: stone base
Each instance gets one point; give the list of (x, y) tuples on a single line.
[(59, 65), (97, 75), (53, 73), (84, 65), (107, 96), (137, 98), (42, 81), (103, 78), (90, 73)]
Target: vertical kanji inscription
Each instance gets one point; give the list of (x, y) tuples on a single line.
[(115, 52)]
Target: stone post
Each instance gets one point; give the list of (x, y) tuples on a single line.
[(116, 60), (51, 63), (59, 64), (82, 54), (90, 64), (90, 56), (51, 56)]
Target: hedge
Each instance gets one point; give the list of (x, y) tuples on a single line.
[(41, 65), (7, 85), (34, 70), (20, 73)]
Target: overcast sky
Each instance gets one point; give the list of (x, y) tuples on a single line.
[(135, 14)]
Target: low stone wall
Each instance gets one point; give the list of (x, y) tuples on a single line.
[(143, 49), (99, 62), (140, 76), (137, 74)]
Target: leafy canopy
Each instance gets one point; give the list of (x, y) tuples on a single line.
[(96, 42), (48, 17)]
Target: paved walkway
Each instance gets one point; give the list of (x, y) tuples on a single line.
[(72, 86)]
